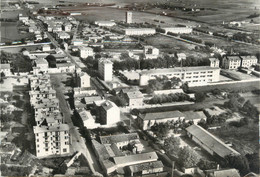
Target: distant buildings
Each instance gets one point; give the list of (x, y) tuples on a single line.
[(193, 75), (128, 17), (105, 23), (139, 31), (209, 142), (108, 112), (105, 69), (6, 69), (85, 52), (178, 30), (147, 120), (150, 52)]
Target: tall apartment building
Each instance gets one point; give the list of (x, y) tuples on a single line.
[(52, 140), (128, 17), (105, 69), (193, 75)]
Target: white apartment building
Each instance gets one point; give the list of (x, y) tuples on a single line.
[(52, 140), (178, 30), (107, 112), (150, 52), (83, 80), (231, 62), (248, 61), (128, 17), (200, 75), (46, 48), (40, 94), (139, 31), (105, 69), (85, 52)]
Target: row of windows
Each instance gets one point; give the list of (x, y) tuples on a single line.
[(178, 74)]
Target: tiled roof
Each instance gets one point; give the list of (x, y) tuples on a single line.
[(212, 142), (146, 166), (161, 115)]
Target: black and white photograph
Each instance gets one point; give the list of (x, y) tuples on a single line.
[(130, 88)]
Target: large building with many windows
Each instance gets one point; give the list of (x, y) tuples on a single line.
[(128, 17), (231, 62), (200, 75), (139, 31)]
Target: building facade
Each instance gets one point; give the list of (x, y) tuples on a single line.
[(248, 61), (178, 30), (200, 75), (128, 17), (231, 62), (139, 31), (105, 68), (85, 52), (150, 52)]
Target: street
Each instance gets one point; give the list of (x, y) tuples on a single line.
[(77, 141)]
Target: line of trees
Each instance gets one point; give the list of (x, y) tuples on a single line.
[(159, 99), (191, 38)]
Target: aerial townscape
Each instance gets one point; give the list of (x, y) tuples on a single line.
[(167, 88)]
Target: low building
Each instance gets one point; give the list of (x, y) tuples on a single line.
[(195, 117), (200, 75), (178, 30), (6, 69), (214, 62), (123, 161), (46, 48), (146, 168), (67, 27), (87, 118), (121, 140), (248, 61), (150, 52), (133, 97), (63, 35), (231, 62), (85, 52), (65, 67), (222, 173), (209, 142), (105, 23), (139, 31), (147, 120), (42, 63)]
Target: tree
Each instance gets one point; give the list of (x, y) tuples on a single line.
[(239, 162), (2, 74), (200, 96), (51, 60), (250, 109), (188, 157), (206, 164), (172, 145)]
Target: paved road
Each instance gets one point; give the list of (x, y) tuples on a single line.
[(77, 141)]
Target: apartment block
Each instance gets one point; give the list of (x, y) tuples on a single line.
[(139, 31), (105, 69)]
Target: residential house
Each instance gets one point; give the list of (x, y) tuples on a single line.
[(150, 52), (83, 80), (214, 62), (146, 168), (85, 52), (248, 61), (67, 27), (209, 142), (195, 117), (147, 120), (63, 35), (133, 97), (231, 62), (46, 48), (87, 118), (5, 69)]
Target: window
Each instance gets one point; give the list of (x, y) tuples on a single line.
[(46, 134), (37, 134), (195, 72), (37, 140), (195, 76), (64, 150), (210, 71)]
